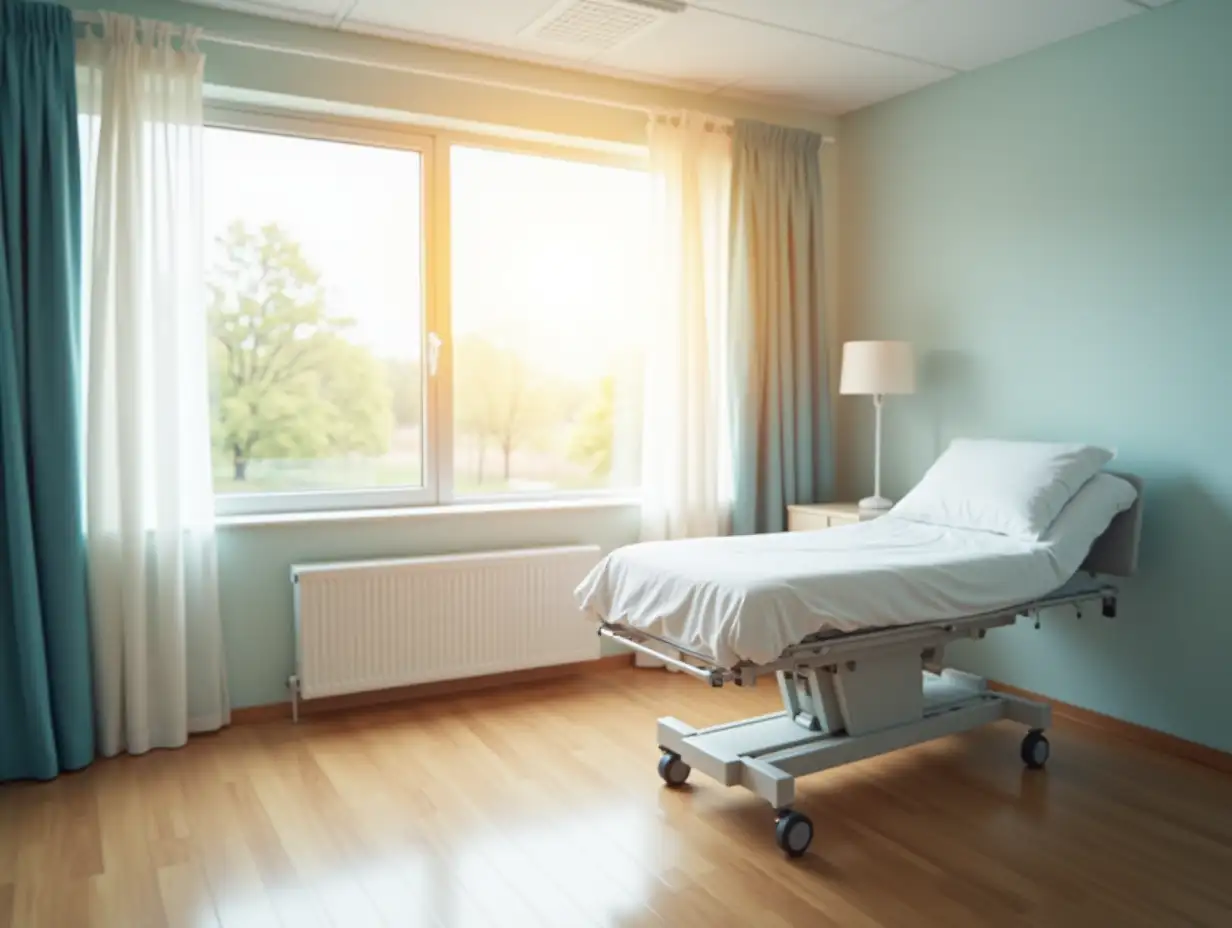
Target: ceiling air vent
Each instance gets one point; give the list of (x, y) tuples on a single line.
[(600, 24)]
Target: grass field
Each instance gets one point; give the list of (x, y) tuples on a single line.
[(542, 470)]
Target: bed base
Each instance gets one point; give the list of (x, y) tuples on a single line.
[(847, 698)]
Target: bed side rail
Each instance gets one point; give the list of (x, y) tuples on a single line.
[(1074, 593), (824, 651), (634, 641)]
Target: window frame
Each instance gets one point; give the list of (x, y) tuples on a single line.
[(433, 146)]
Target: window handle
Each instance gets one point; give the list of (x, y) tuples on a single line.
[(434, 353)]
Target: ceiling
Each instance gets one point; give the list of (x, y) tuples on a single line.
[(829, 56)]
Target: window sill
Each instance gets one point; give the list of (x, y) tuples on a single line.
[(429, 512)]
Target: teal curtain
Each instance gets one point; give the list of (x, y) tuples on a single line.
[(46, 701), (781, 428)]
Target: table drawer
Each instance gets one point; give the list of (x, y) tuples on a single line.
[(805, 521)]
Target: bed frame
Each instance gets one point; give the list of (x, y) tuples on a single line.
[(847, 697)]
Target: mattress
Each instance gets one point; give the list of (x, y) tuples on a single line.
[(749, 598)]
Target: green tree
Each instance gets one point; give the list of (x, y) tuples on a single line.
[(289, 384), (406, 382), (497, 399), (590, 444)]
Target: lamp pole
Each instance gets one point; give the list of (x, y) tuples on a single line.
[(878, 499)]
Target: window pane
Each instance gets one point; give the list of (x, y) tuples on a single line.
[(316, 317), (549, 272)]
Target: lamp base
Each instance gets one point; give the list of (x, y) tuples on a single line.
[(876, 504)]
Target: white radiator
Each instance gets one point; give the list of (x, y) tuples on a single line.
[(369, 625)]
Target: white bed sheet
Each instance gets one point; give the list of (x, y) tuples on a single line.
[(751, 597)]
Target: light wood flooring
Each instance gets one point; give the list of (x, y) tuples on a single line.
[(540, 805)]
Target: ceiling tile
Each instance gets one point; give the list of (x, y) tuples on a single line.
[(828, 55), (483, 24), (316, 12), (818, 17), (703, 46), (968, 34), (837, 78), (699, 46)]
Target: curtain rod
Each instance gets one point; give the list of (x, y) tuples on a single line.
[(92, 18), (89, 18)]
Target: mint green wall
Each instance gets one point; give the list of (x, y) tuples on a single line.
[(1055, 235), (254, 560), (255, 563)]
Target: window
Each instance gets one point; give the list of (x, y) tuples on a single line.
[(316, 314), (344, 375), (548, 266)]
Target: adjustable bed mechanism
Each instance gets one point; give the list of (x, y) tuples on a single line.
[(846, 698), (839, 646)]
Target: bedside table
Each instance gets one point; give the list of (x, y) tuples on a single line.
[(813, 516)]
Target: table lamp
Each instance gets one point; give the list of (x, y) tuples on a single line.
[(877, 369)]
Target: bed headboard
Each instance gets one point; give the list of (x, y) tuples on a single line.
[(1116, 551)]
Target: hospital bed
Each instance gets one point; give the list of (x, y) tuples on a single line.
[(740, 609)]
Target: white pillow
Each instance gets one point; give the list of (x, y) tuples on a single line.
[(1086, 517), (1014, 488)]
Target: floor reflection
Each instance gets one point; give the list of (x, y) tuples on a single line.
[(584, 866)]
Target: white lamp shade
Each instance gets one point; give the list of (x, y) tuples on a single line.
[(878, 367)]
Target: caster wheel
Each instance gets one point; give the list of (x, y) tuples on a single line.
[(673, 770), (1035, 749), (794, 833)]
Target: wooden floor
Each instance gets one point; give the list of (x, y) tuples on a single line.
[(541, 806)]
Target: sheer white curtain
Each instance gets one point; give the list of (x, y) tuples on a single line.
[(686, 479), (157, 635)]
